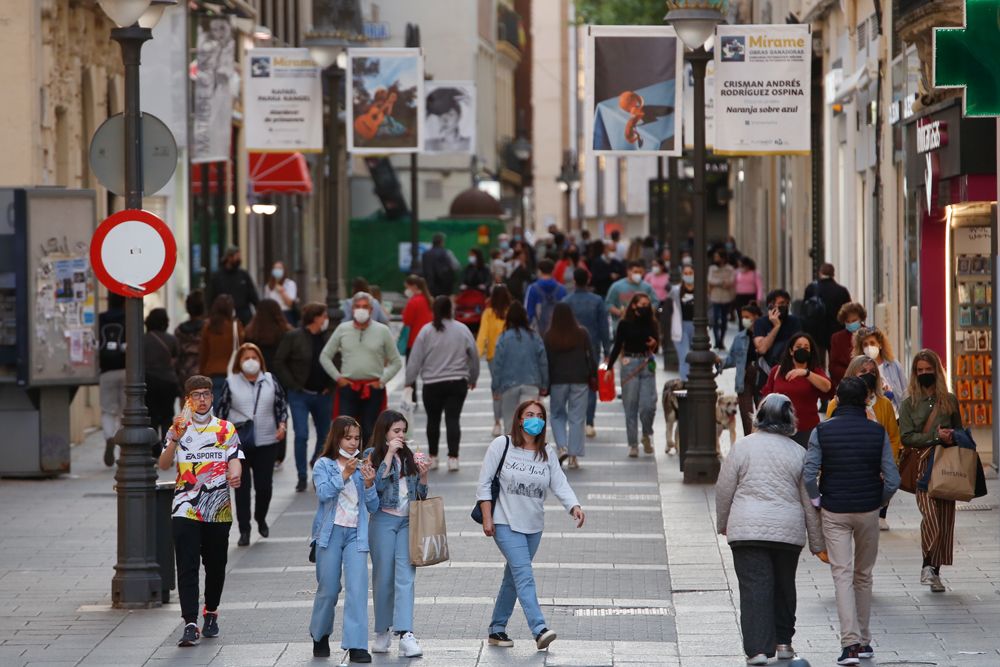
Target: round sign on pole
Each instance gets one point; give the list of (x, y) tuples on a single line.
[(133, 253), (159, 154)]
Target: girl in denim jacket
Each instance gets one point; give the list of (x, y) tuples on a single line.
[(400, 478), (345, 487)]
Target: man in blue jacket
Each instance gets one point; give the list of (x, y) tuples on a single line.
[(859, 476), (542, 296), (592, 315)]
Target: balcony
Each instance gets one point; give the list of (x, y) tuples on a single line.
[(510, 32)]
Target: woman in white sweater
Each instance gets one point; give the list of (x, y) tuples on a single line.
[(764, 511), (527, 468)]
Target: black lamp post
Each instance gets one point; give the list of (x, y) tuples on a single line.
[(136, 583), (695, 22), (522, 151), (569, 183)]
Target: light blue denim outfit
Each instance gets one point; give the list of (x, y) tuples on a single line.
[(568, 415), (520, 370), (737, 358), (392, 574), (341, 549), (638, 398), (518, 549), (592, 314)]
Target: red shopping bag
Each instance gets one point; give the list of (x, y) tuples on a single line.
[(606, 384)]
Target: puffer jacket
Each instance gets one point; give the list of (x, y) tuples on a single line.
[(761, 496)]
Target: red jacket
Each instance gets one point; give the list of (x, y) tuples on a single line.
[(841, 346), (416, 314)]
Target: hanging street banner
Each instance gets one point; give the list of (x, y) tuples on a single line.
[(689, 105), (282, 101), (450, 125), (385, 101), (214, 75), (762, 89)]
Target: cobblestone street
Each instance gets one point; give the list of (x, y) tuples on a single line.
[(645, 582)]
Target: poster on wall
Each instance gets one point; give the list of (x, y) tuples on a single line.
[(689, 105), (762, 89), (450, 117), (634, 78), (214, 74), (385, 105), (282, 101)]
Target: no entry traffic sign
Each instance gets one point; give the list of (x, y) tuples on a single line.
[(133, 253)]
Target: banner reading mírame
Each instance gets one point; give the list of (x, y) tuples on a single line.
[(282, 101), (762, 85)]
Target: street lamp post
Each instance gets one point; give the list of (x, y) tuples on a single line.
[(136, 583), (695, 22), (569, 183)]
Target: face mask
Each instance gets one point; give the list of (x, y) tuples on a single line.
[(516, 237), (688, 280), (346, 454), (408, 292), (278, 273), (608, 256), (635, 278), (801, 355), (657, 270), (504, 245), (250, 366), (927, 380), (870, 380), (686, 261), (853, 326), (872, 351), (645, 312), (783, 312), (361, 315), (202, 417), (730, 246), (325, 325), (533, 425), (472, 260), (747, 322)]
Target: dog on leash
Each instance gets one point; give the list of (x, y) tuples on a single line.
[(726, 409)]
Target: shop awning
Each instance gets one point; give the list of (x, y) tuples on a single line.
[(279, 172)]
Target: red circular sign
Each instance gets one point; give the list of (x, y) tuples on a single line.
[(133, 253)]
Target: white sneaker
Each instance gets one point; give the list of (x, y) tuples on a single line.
[(759, 659), (590, 431), (573, 463), (496, 429), (409, 647), (784, 652), (452, 464), (433, 463), (883, 524), (383, 640), (633, 452), (936, 585), (926, 575), (672, 451)]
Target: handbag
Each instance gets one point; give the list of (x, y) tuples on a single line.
[(911, 459), (963, 438), (606, 384), (404, 338), (477, 511), (245, 430), (953, 476), (428, 532)]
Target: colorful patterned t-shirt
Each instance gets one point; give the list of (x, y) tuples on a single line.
[(203, 456)]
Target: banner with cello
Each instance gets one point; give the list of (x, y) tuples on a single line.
[(385, 102)]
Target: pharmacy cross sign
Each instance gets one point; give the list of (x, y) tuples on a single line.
[(968, 58)]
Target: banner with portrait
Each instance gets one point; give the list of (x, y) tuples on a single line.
[(634, 81), (214, 74), (450, 117), (385, 101), (763, 76), (282, 101)]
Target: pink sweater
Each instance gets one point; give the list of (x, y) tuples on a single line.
[(748, 282)]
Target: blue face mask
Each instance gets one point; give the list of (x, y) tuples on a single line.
[(853, 326), (533, 425)]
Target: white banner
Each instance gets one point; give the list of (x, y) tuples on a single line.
[(385, 101), (633, 90), (762, 89), (450, 125), (282, 101), (215, 79), (709, 105)]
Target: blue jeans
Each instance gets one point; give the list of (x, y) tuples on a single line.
[(639, 398), (568, 405), (518, 579), (591, 406), (719, 316), (683, 346), (392, 574), (342, 553), (303, 404)]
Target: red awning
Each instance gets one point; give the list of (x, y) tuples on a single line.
[(279, 172)]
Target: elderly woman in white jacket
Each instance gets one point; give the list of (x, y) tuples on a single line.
[(764, 511)]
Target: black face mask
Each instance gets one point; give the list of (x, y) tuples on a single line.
[(870, 380), (645, 312), (927, 380), (801, 355), (783, 312)]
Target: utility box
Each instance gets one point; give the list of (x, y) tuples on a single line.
[(48, 323)]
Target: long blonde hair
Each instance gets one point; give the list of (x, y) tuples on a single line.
[(942, 397), (877, 334)]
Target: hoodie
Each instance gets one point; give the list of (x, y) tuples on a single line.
[(540, 291)]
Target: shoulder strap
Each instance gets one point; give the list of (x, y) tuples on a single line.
[(260, 383), (932, 418), (503, 457)]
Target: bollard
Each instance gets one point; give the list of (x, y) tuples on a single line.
[(799, 662)]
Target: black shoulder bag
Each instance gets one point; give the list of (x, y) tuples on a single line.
[(248, 439), (477, 511)]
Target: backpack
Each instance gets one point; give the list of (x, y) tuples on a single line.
[(543, 311), (442, 275), (814, 314), (112, 345)]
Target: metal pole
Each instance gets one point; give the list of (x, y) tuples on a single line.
[(332, 76), (701, 463), (661, 227), (675, 232), (414, 215), (136, 583)]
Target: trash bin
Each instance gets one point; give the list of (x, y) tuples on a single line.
[(682, 426), (165, 538)]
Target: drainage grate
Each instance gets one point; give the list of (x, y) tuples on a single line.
[(623, 496), (974, 507), (625, 611)]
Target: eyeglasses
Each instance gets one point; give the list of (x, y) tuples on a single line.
[(201, 395)]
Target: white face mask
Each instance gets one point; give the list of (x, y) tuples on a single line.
[(688, 280), (657, 270), (635, 278), (325, 325), (346, 454), (472, 260), (202, 417), (361, 315), (747, 322), (872, 351), (408, 292), (250, 366), (686, 261), (278, 273)]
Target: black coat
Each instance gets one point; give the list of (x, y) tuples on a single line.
[(238, 284), (834, 295), (294, 358)]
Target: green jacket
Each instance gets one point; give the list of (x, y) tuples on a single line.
[(913, 416), (366, 354)]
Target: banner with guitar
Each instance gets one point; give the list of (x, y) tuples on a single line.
[(385, 103)]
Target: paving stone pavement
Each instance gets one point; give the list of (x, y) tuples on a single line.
[(645, 582)]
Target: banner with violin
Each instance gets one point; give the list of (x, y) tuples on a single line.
[(385, 101)]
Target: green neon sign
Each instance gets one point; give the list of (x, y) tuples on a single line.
[(968, 58)]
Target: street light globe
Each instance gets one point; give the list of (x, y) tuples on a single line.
[(695, 20), (124, 12), (325, 55), (521, 148), (152, 16)]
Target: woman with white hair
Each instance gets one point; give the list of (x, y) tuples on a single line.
[(764, 511)]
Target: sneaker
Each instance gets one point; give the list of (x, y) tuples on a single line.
[(633, 452), (574, 464), (759, 659), (190, 636), (936, 585), (866, 652), (849, 656), (671, 451), (883, 524), (500, 639), (496, 429), (321, 648), (210, 628), (647, 444), (591, 432), (383, 640), (244, 540), (109, 452), (926, 575), (359, 655), (409, 647), (277, 464), (784, 652), (300, 486), (544, 638), (452, 464), (433, 463), (563, 454)]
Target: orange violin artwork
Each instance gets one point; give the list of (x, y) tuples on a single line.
[(632, 104), (367, 124)]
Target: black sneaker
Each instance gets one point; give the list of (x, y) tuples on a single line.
[(866, 652), (244, 540), (321, 648), (301, 486), (544, 638), (359, 655), (210, 628), (849, 656), (190, 636), (500, 639), (109, 452), (263, 529)]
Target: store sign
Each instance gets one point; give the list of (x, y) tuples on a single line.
[(932, 136), (763, 76), (966, 58), (282, 101)]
